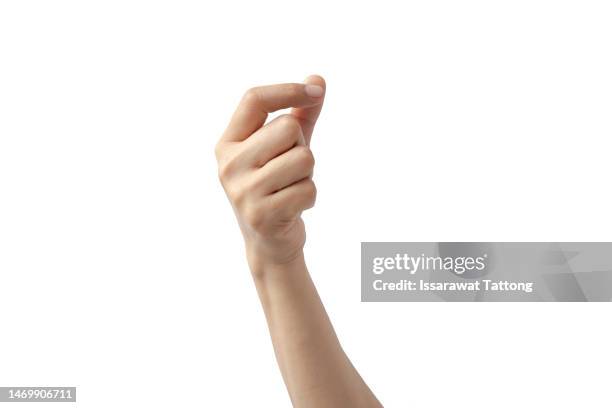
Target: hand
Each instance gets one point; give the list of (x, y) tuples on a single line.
[(266, 169)]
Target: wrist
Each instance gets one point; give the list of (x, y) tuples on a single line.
[(264, 262)]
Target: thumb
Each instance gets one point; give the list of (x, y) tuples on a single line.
[(308, 115)]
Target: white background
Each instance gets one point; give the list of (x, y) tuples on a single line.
[(121, 268)]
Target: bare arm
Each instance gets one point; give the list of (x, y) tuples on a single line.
[(316, 370), (266, 171)]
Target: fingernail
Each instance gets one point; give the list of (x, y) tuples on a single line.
[(314, 91)]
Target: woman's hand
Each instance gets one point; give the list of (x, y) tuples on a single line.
[(266, 169)]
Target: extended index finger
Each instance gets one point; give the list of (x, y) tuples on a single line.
[(257, 102)]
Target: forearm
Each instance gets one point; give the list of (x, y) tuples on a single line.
[(315, 369), (266, 170)]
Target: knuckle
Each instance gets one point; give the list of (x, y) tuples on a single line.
[(290, 124), (251, 96), (229, 162), (311, 189), (225, 170), (254, 216), (311, 194), (305, 157), (237, 196), (256, 183)]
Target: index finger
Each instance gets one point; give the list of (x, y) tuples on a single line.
[(257, 102)]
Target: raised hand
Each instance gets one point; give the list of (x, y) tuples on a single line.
[(266, 169)]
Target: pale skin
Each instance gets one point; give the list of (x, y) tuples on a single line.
[(266, 171)]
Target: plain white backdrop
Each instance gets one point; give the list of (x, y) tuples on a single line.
[(121, 267)]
